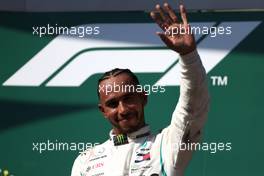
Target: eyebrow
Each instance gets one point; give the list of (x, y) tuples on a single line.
[(114, 99)]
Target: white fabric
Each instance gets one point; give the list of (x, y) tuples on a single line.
[(156, 155)]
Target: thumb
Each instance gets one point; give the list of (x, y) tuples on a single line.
[(165, 39)]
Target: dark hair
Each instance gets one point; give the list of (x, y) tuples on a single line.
[(115, 72)]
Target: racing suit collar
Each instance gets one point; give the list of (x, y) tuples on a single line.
[(122, 139)]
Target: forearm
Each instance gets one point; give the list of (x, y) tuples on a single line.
[(192, 108), (192, 72)]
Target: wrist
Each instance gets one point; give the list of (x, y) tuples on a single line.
[(189, 58), (186, 52)]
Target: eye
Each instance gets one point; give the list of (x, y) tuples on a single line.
[(129, 99), (112, 104)]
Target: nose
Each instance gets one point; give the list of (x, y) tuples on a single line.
[(122, 108)]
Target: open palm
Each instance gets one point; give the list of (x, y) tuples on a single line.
[(176, 35)]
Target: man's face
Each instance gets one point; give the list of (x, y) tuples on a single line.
[(124, 109)]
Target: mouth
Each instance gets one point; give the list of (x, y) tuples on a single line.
[(126, 118), (123, 121)]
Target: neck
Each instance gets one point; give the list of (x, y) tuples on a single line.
[(118, 131)]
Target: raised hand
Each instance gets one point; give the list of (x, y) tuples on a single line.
[(176, 35)]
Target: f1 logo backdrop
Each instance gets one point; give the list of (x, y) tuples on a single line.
[(48, 87), (132, 46)]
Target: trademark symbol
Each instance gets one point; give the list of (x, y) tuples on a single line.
[(219, 80)]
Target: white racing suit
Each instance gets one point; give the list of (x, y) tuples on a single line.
[(144, 154)]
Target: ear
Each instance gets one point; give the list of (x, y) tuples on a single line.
[(102, 109)]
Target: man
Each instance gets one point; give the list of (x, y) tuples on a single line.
[(132, 150)]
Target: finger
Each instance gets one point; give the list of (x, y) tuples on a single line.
[(165, 39), (183, 15), (171, 13), (158, 20), (163, 15)]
